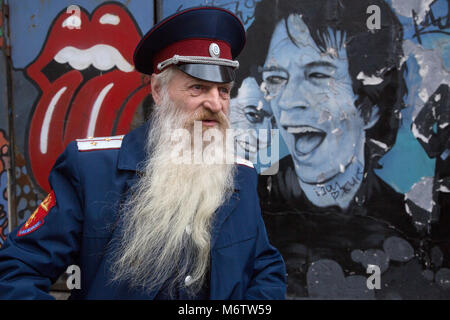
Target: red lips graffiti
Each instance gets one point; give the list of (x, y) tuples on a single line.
[(89, 86)]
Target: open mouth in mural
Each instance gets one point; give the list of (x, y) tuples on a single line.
[(307, 138), (92, 62)]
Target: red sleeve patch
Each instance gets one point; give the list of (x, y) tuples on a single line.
[(36, 220)]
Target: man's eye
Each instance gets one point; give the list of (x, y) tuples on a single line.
[(253, 115), (196, 89), (224, 91), (275, 80), (319, 75), (274, 84)]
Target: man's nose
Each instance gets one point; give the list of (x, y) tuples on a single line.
[(294, 95), (213, 100)]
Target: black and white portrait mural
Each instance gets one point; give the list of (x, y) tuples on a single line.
[(344, 107)]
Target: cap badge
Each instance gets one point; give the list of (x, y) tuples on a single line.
[(214, 50)]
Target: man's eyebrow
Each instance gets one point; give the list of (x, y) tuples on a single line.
[(194, 81), (272, 68), (228, 85), (320, 64)]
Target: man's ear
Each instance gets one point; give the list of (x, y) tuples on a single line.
[(156, 90), (374, 117)]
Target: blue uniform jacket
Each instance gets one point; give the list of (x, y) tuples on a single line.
[(88, 187)]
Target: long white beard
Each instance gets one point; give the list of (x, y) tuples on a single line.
[(167, 220)]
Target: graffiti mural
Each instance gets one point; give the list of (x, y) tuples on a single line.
[(4, 143), (4, 166), (71, 77), (87, 81), (337, 91), (360, 98)]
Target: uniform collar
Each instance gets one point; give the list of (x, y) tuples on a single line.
[(132, 151)]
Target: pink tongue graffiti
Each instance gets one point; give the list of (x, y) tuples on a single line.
[(96, 94)]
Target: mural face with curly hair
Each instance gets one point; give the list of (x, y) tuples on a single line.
[(337, 94), (314, 106)]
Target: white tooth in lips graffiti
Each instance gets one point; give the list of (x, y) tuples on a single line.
[(47, 118), (72, 22), (101, 56), (109, 18), (96, 109), (303, 129)]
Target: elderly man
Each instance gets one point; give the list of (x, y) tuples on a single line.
[(139, 224)]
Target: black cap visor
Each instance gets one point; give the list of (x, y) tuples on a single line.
[(209, 72)]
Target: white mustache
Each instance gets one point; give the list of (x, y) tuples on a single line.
[(101, 56)]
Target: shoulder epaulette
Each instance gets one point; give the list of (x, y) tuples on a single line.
[(244, 162), (99, 143)]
